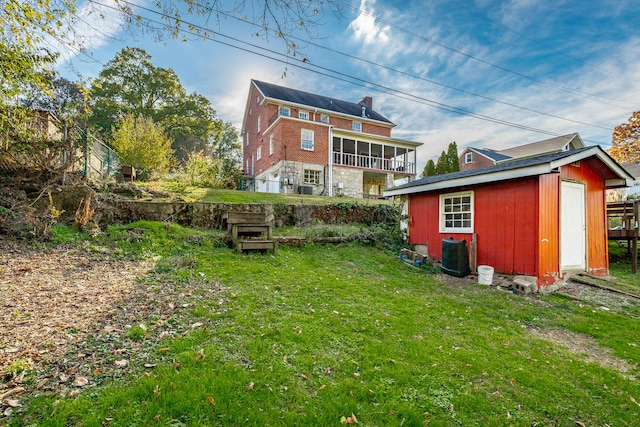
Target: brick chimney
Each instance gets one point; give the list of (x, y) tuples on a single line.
[(368, 101)]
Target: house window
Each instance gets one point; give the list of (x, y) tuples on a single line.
[(304, 115), (456, 212), (259, 124), (311, 176), (270, 145), (468, 158), (284, 111), (259, 153), (356, 126), (324, 119), (306, 140)]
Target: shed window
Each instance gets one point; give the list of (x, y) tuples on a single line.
[(456, 212), (468, 158)]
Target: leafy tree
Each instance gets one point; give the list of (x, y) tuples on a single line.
[(429, 169), (452, 158), (141, 143), (625, 142), (131, 84), (443, 164)]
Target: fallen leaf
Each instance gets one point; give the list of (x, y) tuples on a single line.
[(106, 421), (157, 391), (578, 423), (196, 325), (513, 382), (323, 386), (177, 366), (122, 363), (251, 385), (304, 377), (156, 418), (13, 403), (149, 365), (633, 400), (164, 349), (211, 400), (80, 382)]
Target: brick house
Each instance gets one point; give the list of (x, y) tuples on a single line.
[(474, 158), (299, 142)]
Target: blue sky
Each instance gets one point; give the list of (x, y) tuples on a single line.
[(483, 73)]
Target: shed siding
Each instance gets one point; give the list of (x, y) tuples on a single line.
[(505, 222), (549, 226)]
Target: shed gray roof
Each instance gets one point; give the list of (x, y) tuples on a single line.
[(515, 169), (320, 102)]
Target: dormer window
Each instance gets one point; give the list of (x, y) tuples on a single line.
[(468, 158), (324, 119), (304, 115), (356, 126), (284, 111)]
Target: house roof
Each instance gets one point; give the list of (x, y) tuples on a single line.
[(632, 168), (490, 154), (547, 146), (604, 165), (320, 102)]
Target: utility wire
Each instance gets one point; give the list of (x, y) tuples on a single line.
[(483, 61), (336, 74), (544, 45)]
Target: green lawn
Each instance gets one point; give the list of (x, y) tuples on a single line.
[(199, 194), (317, 335)]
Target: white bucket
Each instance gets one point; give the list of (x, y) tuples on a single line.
[(485, 275)]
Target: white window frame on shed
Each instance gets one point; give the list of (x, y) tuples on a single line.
[(457, 212), (306, 139)]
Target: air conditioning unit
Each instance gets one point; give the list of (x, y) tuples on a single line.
[(305, 189)]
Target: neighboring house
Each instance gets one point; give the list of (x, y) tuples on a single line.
[(540, 216), (474, 158), (299, 142), (634, 191)]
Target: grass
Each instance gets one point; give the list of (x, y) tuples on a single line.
[(199, 194), (319, 333)]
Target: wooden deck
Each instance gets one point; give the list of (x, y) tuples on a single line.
[(627, 214)]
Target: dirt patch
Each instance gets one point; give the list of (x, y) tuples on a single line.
[(583, 346), (71, 319)]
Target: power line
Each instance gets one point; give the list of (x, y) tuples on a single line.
[(483, 61), (305, 65), (544, 45)]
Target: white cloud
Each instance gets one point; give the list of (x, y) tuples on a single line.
[(366, 29), (95, 26)]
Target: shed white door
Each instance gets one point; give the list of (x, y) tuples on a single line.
[(573, 230)]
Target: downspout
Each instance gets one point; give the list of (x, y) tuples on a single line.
[(330, 151)]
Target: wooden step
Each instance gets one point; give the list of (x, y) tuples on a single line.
[(257, 245)]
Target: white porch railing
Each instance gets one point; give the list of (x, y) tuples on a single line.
[(372, 162)]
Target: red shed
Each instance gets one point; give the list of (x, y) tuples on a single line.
[(542, 216)]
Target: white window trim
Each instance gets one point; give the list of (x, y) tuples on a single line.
[(324, 118), (302, 131), (468, 158), (443, 227), (315, 173), (259, 123), (359, 125), (271, 145), (259, 153), (303, 114), (284, 108)]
